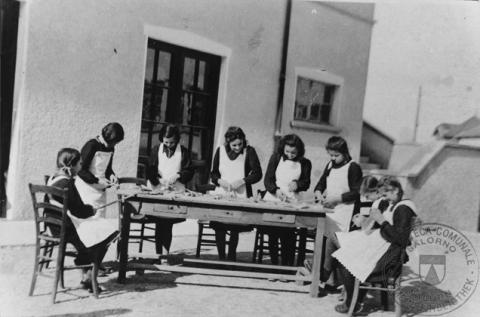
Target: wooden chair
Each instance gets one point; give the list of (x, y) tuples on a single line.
[(144, 222), (46, 239), (390, 285)]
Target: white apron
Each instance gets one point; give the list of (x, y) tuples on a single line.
[(287, 171), (359, 252), (231, 170), (169, 167), (92, 230), (337, 184), (88, 192)]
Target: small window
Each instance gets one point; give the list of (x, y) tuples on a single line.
[(316, 98)]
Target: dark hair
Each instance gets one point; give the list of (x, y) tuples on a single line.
[(113, 133), (234, 133), (67, 157), (369, 185), (291, 140), (388, 182), (338, 144), (168, 131)]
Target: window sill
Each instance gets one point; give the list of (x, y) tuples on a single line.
[(314, 126)]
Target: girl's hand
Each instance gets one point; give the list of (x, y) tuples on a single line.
[(236, 184), (292, 186), (103, 183), (280, 194), (332, 201), (358, 220), (319, 197), (376, 215), (173, 179), (114, 179), (225, 185)]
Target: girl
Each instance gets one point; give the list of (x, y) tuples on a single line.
[(339, 185), (169, 166), (89, 234), (385, 245), (235, 169), (288, 174), (96, 173)]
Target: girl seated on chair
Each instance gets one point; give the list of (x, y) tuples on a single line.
[(235, 169), (169, 167), (377, 257), (88, 233)]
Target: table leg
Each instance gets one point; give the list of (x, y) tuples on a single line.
[(317, 257), (123, 243)]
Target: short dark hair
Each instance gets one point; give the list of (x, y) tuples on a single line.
[(113, 133), (369, 185), (168, 131), (338, 144), (294, 141), (234, 133), (67, 157), (388, 182)]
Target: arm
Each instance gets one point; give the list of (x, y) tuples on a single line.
[(270, 181), (186, 169), (322, 182), (399, 232), (304, 181), (152, 167), (215, 173), (75, 204), (255, 170), (354, 182), (86, 154)]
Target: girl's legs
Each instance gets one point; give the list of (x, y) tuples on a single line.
[(232, 245), (163, 235), (287, 243), (273, 237), (220, 235)]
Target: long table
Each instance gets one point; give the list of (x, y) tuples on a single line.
[(225, 210)]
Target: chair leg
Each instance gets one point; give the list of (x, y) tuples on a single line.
[(142, 234), (94, 278), (354, 297), (260, 251), (397, 295), (384, 299), (35, 269), (199, 240)]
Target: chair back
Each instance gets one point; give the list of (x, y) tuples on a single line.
[(48, 214)]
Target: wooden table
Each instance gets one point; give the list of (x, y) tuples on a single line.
[(224, 210)]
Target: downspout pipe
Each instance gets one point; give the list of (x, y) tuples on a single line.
[(283, 73)]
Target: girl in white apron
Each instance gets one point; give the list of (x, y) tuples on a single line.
[(235, 168), (169, 168), (287, 175), (96, 174), (89, 234), (377, 255)]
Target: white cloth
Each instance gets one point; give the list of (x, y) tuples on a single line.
[(91, 230), (90, 194), (230, 171), (286, 172), (359, 252), (337, 184)]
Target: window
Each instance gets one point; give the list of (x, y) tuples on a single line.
[(181, 87), (317, 99)]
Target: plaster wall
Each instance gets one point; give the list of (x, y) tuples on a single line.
[(426, 67), (83, 66), (342, 50), (447, 191)]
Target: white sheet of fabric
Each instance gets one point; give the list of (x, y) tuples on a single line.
[(91, 230), (230, 171), (88, 192), (337, 184), (287, 171), (359, 252)]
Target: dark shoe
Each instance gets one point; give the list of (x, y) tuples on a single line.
[(99, 289), (322, 292), (341, 308), (332, 289), (86, 284), (358, 311)]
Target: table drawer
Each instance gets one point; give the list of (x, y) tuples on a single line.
[(278, 218), (174, 209)]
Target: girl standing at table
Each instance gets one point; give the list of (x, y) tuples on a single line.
[(86, 231), (96, 173), (235, 169), (339, 185), (287, 175), (169, 167)]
